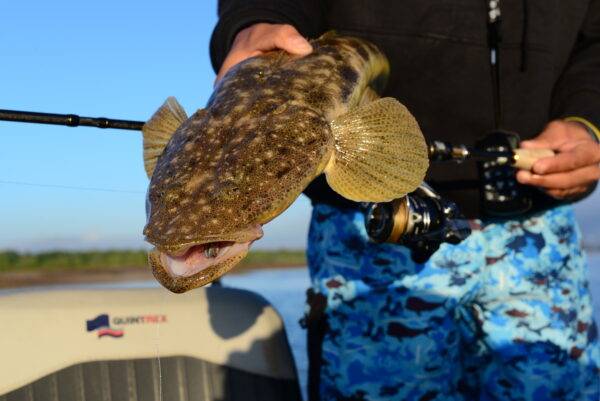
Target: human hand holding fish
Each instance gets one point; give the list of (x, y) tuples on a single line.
[(274, 123), (260, 38)]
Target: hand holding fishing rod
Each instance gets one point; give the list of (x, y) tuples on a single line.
[(575, 169), (423, 220)]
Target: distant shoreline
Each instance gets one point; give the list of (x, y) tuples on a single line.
[(42, 278), (25, 269)]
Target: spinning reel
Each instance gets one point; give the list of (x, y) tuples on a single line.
[(422, 220)]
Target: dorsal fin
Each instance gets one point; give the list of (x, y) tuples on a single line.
[(332, 33), (159, 129), (380, 153)]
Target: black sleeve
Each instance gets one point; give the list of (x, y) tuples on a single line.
[(577, 93), (234, 15)]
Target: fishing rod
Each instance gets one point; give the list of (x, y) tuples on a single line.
[(438, 151), (69, 120)]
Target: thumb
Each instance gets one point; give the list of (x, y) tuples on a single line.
[(298, 45), (546, 139), (292, 42), (536, 143)]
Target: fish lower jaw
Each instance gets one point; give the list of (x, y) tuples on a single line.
[(201, 257)]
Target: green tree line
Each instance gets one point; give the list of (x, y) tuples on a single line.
[(125, 259)]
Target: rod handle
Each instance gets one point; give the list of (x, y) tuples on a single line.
[(525, 158)]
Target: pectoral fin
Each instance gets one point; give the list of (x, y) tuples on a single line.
[(159, 129), (380, 153)]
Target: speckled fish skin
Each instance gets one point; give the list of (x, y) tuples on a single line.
[(264, 135)]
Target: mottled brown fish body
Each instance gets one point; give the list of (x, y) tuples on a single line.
[(266, 125), (264, 135)]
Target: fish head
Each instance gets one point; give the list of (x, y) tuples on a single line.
[(226, 171)]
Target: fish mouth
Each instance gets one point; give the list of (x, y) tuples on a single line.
[(196, 258), (198, 264)]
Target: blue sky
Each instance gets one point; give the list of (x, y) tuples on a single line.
[(109, 58), (114, 59)]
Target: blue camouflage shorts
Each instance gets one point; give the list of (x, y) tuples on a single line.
[(505, 315)]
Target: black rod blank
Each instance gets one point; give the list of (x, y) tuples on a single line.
[(70, 120)]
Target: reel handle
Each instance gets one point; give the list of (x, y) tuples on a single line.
[(524, 159)]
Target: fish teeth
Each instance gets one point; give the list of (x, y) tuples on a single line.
[(211, 252)]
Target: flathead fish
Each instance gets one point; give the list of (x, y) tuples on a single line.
[(273, 124)]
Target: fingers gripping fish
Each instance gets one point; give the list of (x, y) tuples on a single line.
[(273, 124)]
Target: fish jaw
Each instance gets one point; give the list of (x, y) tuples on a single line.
[(198, 264)]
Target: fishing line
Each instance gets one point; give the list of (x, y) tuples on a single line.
[(160, 391), (70, 187)]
